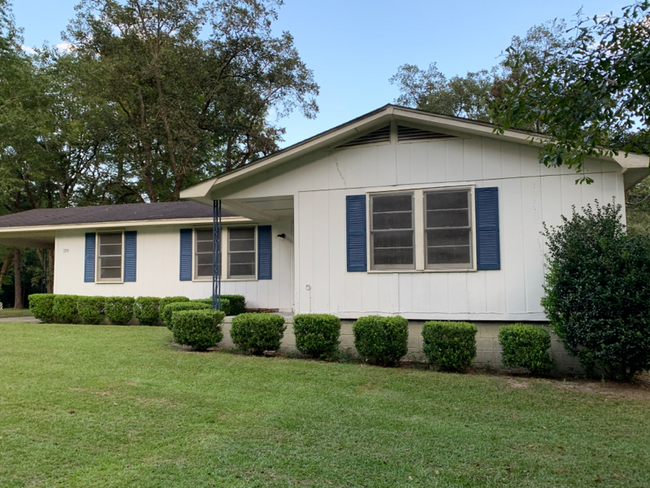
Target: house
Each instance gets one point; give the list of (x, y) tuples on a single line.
[(399, 211)]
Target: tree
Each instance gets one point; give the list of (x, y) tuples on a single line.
[(192, 85), (591, 95), (597, 297)]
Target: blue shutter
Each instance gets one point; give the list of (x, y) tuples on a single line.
[(487, 228), (89, 263), (355, 216), (264, 252), (130, 254), (186, 255)]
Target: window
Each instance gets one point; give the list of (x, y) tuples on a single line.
[(109, 257), (391, 230), (448, 228), (422, 229), (203, 253), (241, 253)]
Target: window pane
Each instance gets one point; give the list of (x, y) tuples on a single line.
[(113, 262), (242, 270), (110, 250), (239, 258), (395, 257), (392, 203), (204, 259), (448, 255), (448, 237), (397, 220), (110, 238), (447, 218), (204, 247), (441, 200), (204, 270), (242, 245), (110, 273), (393, 239), (241, 233), (204, 235)]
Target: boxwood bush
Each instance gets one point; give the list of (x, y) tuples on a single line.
[(317, 335), (237, 304), (225, 303), (119, 310), (90, 309), (167, 300), (381, 340), (65, 309), (176, 306), (449, 345), (199, 329), (526, 346), (257, 332), (146, 310), (41, 305)]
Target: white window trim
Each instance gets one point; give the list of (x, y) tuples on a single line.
[(419, 229), (97, 259), (224, 255)]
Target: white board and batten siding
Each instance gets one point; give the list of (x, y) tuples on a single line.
[(529, 195), (158, 266)]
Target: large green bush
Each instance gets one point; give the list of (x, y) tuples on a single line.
[(257, 332), (167, 312), (225, 303), (146, 310), (449, 345), (119, 310), (41, 305), (597, 293), (65, 309), (317, 335), (199, 329), (237, 304), (526, 346), (90, 309), (381, 340), (167, 300)]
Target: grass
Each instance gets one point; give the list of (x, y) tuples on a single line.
[(12, 312), (108, 406)]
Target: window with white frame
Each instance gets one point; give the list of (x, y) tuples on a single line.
[(422, 229), (109, 256), (203, 254), (241, 253)]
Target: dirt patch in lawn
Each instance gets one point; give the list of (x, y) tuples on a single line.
[(638, 389)]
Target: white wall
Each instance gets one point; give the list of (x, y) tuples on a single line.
[(158, 254), (529, 194)]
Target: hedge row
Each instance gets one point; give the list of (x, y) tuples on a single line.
[(70, 309)]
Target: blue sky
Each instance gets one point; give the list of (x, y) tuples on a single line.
[(355, 46)]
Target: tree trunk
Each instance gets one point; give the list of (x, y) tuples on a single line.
[(18, 288)]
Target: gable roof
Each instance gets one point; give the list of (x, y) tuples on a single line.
[(108, 213), (635, 167)]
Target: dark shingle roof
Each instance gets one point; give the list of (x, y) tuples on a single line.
[(108, 213)]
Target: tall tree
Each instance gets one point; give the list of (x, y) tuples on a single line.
[(590, 96), (193, 85)]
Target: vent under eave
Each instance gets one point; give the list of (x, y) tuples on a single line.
[(408, 134), (375, 137)]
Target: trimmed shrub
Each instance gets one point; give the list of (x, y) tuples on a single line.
[(90, 309), (237, 304), (199, 329), (597, 297), (65, 309), (381, 340), (526, 346), (166, 313), (257, 332), (167, 300), (225, 303), (317, 335), (449, 345), (146, 310), (41, 305), (119, 310)]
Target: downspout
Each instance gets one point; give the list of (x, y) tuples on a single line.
[(216, 254)]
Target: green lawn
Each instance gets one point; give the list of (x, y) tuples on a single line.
[(12, 312), (100, 406)]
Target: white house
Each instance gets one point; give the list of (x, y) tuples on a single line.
[(396, 212)]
